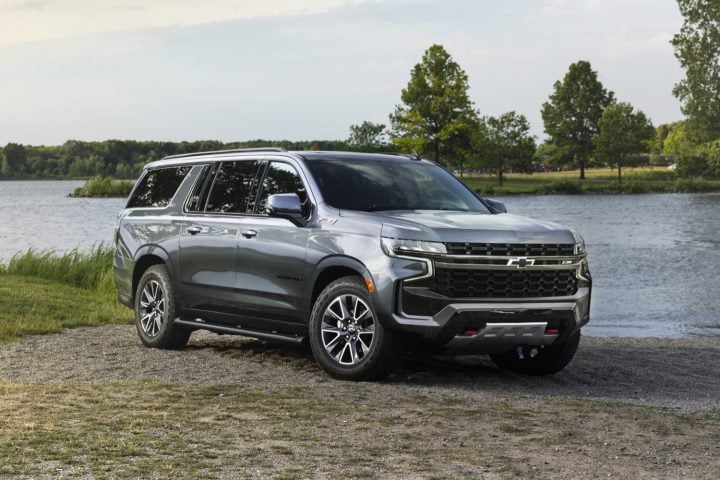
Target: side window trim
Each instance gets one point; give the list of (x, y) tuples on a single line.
[(205, 178)]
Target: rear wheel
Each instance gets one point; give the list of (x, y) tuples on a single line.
[(346, 337), (155, 311), (539, 360)]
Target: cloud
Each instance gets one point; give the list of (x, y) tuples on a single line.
[(26, 5), (312, 75)]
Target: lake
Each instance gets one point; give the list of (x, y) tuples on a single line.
[(654, 258)]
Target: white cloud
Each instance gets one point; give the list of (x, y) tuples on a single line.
[(312, 75), (35, 20)]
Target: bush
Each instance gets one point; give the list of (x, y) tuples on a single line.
[(691, 166), (103, 187), (564, 186)]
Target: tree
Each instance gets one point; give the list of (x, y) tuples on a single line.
[(623, 131), (436, 114), (677, 142), (572, 113), (697, 47), (367, 136), (13, 163), (508, 143), (548, 153)]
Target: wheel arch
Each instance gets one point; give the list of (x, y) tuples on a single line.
[(331, 269), (146, 258)]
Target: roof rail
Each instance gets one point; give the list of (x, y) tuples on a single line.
[(235, 150)]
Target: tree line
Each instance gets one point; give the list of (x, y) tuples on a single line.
[(119, 158), (584, 123)]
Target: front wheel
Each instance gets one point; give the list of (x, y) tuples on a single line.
[(346, 337), (540, 360)]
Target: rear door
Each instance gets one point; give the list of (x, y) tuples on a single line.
[(215, 215)]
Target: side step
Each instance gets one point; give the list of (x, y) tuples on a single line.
[(214, 327)]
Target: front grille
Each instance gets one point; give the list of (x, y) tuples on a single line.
[(511, 249), (503, 283)]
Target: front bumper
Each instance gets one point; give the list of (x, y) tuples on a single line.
[(497, 325)]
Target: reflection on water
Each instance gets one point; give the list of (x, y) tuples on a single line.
[(39, 214), (655, 259)]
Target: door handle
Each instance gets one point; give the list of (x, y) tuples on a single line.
[(248, 233), (194, 230)]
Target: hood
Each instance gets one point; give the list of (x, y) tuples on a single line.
[(448, 226)]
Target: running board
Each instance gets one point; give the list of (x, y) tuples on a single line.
[(214, 327)]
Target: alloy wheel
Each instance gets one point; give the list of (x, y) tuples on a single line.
[(152, 308), (348, 329)]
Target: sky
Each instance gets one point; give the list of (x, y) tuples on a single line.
[(306, 69)]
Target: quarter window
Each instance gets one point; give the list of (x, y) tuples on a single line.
[(158, 187), (234, 188)]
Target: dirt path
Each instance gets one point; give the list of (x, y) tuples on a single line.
[(681, 374), (228, 407)]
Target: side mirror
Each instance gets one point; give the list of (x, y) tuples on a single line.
[(286, 205), (495, 206)]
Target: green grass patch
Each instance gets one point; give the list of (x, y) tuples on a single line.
[(43, 292), (104, 187), (601, 180), (31, 305)]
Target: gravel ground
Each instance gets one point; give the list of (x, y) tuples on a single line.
[(677, 373)]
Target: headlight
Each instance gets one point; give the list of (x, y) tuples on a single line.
[(579, 244), (398, 247)]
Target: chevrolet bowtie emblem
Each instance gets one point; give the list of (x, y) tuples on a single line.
[(521, 262)]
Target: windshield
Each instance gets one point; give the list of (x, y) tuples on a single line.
[(391, 185)]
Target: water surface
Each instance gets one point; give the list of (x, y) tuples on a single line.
[(655, 259), (39, 214)]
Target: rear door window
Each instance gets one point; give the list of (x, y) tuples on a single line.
[(234, 188), (158, 187)]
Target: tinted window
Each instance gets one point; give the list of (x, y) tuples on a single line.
[(391, 185), (157, 187), (283, 178), (233, 190)]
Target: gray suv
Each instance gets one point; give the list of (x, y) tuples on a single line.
[(360, 255)]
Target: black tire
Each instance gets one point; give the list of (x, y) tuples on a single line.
[(539, 360), (354, 346), (155, 311)]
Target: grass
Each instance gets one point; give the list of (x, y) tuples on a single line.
[(104, 187), (599, 180), (42, 292), (148, 429)]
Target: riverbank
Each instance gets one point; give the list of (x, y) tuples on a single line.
[(598, 181), (94, 400)]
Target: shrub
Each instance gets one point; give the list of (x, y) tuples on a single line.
[(103, 187), (563, 186)]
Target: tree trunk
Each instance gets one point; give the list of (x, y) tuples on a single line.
[(500, 175), (437, 150), (582, 169), (619, 163)]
